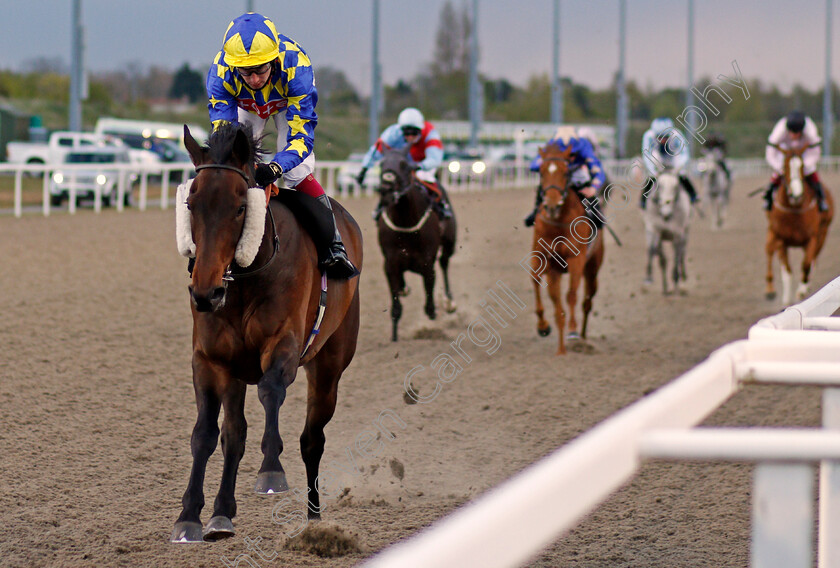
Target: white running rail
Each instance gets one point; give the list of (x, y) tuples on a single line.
[(514, 521)]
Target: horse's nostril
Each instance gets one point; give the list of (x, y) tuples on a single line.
[(217, 294)]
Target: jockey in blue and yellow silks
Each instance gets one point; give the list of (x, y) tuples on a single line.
[(260, 74), (588, 176)]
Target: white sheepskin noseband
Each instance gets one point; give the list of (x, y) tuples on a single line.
[(252, 230), (183, 230)]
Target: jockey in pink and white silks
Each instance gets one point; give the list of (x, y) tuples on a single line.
[(665, 147), (260, 74), (794, 132)]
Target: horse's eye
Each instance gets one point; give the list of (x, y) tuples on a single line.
[(241, 211)]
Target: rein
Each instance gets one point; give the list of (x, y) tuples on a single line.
[(224, 167), (230, 276)]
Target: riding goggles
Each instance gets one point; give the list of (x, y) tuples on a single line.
[(258, 70), (410, 131)]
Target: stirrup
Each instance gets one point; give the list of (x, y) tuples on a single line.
[(337, 265), (531, 219)]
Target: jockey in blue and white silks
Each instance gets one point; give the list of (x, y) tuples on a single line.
[(425, 150), (587, 178), (665, 147), (261, 74)]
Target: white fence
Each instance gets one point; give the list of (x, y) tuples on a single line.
[(516, 520), (496, 176)]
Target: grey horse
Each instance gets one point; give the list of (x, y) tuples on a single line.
[(667, 218)]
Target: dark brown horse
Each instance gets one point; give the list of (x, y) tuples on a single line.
[(795, 221), (410, 235), (564, 242), (255, 296)]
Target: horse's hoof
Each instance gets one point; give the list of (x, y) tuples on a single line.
[(271, 482), (187, 532), (573, 336), (449, 306), (404, 292), (770, 295), (544, 332), (219, 527), (432, 315), (647, 281)]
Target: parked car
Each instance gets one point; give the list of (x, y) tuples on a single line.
[(465, 165), (348, 171), (97, 177)]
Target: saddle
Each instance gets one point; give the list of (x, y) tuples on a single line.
[(316, 219), (432, 188)]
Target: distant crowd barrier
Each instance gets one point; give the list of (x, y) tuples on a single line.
[(801, 346), (165, 176)]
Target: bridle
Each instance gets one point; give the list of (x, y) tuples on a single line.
[(229, 275), (570, 169)]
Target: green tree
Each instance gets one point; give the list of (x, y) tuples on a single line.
[(187, 83)]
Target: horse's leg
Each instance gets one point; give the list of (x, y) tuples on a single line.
[(234, 429), (447, 249), (770, 246), (651, 250), (205, 436), (807, 261), (323, 374), (396, 284), (575, 274), (786, 275), (271, 389), (429, 285), (590, 286), (543, 329), (663, 266), (553, 278)]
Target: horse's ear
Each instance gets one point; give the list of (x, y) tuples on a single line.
[(241, 147), (542, 150), (193, 147)]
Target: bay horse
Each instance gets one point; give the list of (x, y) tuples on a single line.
[(795, 221), (255, 295), (716, 187), (565, 241), (410, 235), (667, 218)]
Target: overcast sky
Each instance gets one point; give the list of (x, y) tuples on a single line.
[(780, 41)]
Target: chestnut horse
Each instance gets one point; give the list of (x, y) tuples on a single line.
[(411, 235), (565, 241), (795, 221), (255, 293)]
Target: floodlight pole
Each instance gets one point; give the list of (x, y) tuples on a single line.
[(76, 68), (375, 79), (556, 84)]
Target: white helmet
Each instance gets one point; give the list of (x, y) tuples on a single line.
[(411, 118)]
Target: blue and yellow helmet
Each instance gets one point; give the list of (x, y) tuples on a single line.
[(250, 40)]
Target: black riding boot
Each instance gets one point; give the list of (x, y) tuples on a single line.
[(689, 188), (336, 265), (592, 205), (443, 210), (818, 189), (377, 213), (725, 169), (649, 184), (532, 217), (768, 196)]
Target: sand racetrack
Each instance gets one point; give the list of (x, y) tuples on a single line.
[(97, 402)]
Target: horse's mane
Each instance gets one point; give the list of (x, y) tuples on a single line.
[(221, 143)]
